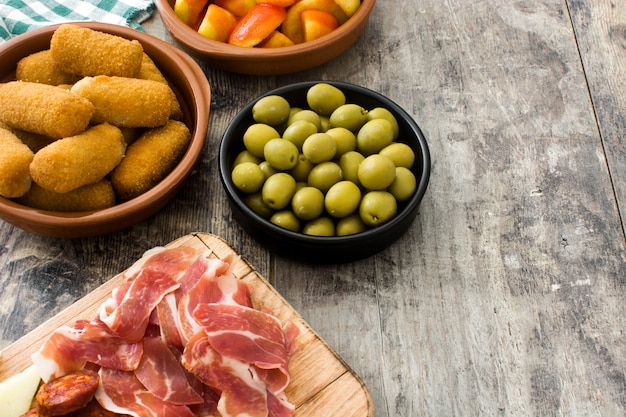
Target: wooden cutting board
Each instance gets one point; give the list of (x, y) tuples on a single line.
[(321, 383)]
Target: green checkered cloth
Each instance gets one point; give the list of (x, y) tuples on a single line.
[(19, 16)]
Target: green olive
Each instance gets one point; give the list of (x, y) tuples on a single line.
[(349, 163), (267, 169), (293, 111), (308, 203), (286, 219), (351, 116), (404, 185), (308, 115), (324, 123), (278, 190), (377, 207), (324, 98), (302, 169), (256, 136), (376, 172), (298, 131), (281, 154), (325, 175), (319, 147), (342, 199), (248, 177), (300, 184), (272, 110), (400, 153), (256, 203), (374, 136), (345, 140), (350, 225), (246, 156), (383, 113), (322, 226)]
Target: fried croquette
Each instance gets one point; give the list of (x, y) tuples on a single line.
[(149, 71), (149, 159), (34, 141), (89, 197), (126, 102), (39, 67), (87, 52), (43, 109), (15, 159), (75, 161)]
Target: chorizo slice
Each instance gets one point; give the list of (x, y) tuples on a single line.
[(67, 393)]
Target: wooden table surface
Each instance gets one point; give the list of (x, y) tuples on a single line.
[(507, 295)]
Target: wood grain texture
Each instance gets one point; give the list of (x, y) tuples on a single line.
[(600, 28), (321, 383), (506, 297)]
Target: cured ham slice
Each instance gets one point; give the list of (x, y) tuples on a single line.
[(242, 393), (159, 360), (172, 261), (121, 392), (131, 317), (70, 348), (222, 289), (179, 337), (248, 335), (279, 406)]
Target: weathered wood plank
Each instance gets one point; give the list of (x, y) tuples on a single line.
[(506, 296), (600, 28)]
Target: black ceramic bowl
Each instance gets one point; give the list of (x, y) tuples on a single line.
[(317, 249)]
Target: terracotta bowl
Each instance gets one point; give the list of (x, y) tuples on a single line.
[(266, 61), (193, 91), (314, 249)]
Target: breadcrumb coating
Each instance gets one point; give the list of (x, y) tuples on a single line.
[(89, 197), (15, 159), (43, 109), (39, 67), (75, 161), (88, 52), (126, 102), (149, 159)]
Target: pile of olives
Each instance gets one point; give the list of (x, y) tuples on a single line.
[(332, 169)]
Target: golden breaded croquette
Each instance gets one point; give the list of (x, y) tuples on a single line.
[(34, 141), (126, 102), (40, 68), (149, 159), (43, 109), (15, 159), (97, 196), (149, 71), (87, 52), (75, 161)]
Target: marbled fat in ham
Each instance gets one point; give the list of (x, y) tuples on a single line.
[(179, 338), (242, 392), (70, 348), (131, 317), (248, 335), (158, 360), (121, 392)]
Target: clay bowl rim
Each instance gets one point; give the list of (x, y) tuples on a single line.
[(204, 46), (391, 230), (159, 195)]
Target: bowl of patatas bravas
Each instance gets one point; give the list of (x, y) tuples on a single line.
[(94, 146)]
